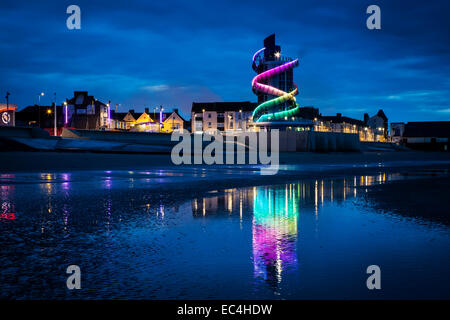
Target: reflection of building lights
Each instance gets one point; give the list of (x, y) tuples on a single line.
[(345, 189), (8, 216), (240, 207), (316, 200), (321, 192)]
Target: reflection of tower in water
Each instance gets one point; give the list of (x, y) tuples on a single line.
[(275, 215)]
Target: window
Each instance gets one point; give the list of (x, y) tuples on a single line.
[(209, 115), (209, 124)]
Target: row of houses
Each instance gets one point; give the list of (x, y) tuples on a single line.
[(86, 112), (237, 116)]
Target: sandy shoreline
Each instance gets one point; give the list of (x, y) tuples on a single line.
[(62, 161)]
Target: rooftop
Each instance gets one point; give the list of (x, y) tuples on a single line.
[(245, 106), (427, 129)]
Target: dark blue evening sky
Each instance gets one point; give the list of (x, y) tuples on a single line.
[(146, 53)]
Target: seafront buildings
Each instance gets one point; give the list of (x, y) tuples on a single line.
[(221, 116), (84, 111), (276, 108), (237, 117), (426, 135)]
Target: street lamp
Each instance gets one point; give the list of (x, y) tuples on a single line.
[(160, 117), (66, 116), (55, 131), (39, 108), (108, 110), (7, 100)]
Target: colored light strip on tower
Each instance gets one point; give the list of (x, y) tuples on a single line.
[(261, 113)]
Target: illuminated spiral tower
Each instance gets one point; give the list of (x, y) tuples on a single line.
[(274, 84)]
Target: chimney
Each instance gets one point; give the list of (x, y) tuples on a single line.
[(146, 111), (366, 118), (338, 115), (175, 110), (131, 111)]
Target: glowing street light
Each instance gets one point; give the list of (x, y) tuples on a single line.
[(66, 116), (40, 95), (108, 111), (55, 122), (160, 117), (39, 107)]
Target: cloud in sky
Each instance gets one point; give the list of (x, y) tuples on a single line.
[(156, 88), (147, 53)]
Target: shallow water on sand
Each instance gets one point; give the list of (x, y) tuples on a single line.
[(134, 238)]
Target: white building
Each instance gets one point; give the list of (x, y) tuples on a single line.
[(221, 116)]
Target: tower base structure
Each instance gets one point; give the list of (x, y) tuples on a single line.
[(298, 125)]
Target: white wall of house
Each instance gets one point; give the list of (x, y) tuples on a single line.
[(377, 125), (210, 121), (226, 121), (397, 130)]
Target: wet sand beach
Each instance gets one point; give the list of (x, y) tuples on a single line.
[(141, 228), (60, 161)]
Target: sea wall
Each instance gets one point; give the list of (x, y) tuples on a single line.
[(291, 141), (116, 141), (160, 139)]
